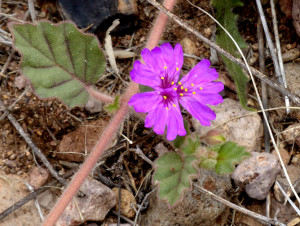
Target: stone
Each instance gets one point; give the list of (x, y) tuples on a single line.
[(189, 47), (100, 13), (257, 174), (38, 176), (195, 208), (13, 189), (81, 141), (246, 130), (47, 199), (94, 206), (128, 202), (291, 55), (292, 134), (285, 156), (294, 174), (21, 82), (93, 106)]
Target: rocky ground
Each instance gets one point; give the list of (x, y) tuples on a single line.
[(66, 136)]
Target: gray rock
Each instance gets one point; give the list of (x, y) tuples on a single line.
[(246, 131), (258, 174), (93, 207), (196, 207)]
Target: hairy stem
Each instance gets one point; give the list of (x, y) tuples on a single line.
[(99, 96), (105, 139)]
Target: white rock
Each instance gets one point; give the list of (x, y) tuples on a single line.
[(257, 174), (246, 131)]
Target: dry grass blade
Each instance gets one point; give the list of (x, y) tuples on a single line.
[(278, 48)]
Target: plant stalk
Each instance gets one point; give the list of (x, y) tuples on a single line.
[(111, 129)]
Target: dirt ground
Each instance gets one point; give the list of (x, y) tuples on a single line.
[(48, 121)]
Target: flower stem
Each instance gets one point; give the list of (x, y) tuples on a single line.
[(99, 96), (105, 139)]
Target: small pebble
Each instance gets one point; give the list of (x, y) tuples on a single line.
[(13, 157), (207, 32), (255, 47)]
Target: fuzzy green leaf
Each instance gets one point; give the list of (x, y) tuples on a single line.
[(191, 146), (113, 107), (226, 17), (173, 175), (229, 154), (59, 60)]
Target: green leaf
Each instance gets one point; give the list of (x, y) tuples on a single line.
[(179, 140), (191, 145), (59, 60), (229, 154), (113, 107), (208, 164), (226, 17), (173, 174)]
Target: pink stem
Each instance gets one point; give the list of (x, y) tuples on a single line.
[(105, 139), (99, 96)]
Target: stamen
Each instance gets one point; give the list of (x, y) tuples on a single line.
[(185, 90), (201, 88), (177, 69), (165, 97), (179, 83), (194, 92), (192, 84), (181, 87), (174, 105), (162, 78), (181, 94), (175, 88), (167, 108), (172, 83), (165, 67)]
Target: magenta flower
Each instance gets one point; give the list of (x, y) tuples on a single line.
[(194, 91)]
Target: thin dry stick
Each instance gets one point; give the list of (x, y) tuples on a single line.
[(141, 205), (256, 216), (278, 48), (288, 198), (258, 74), (278, 73), (264, 94), (159, 6), (31, 9), (102, 144), (35, 149)]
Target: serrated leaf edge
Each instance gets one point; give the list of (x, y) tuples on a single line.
[(10, 27)]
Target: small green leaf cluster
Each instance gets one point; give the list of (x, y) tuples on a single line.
[(174, 170)]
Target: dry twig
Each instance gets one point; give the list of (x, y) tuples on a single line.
[(243, 210)]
